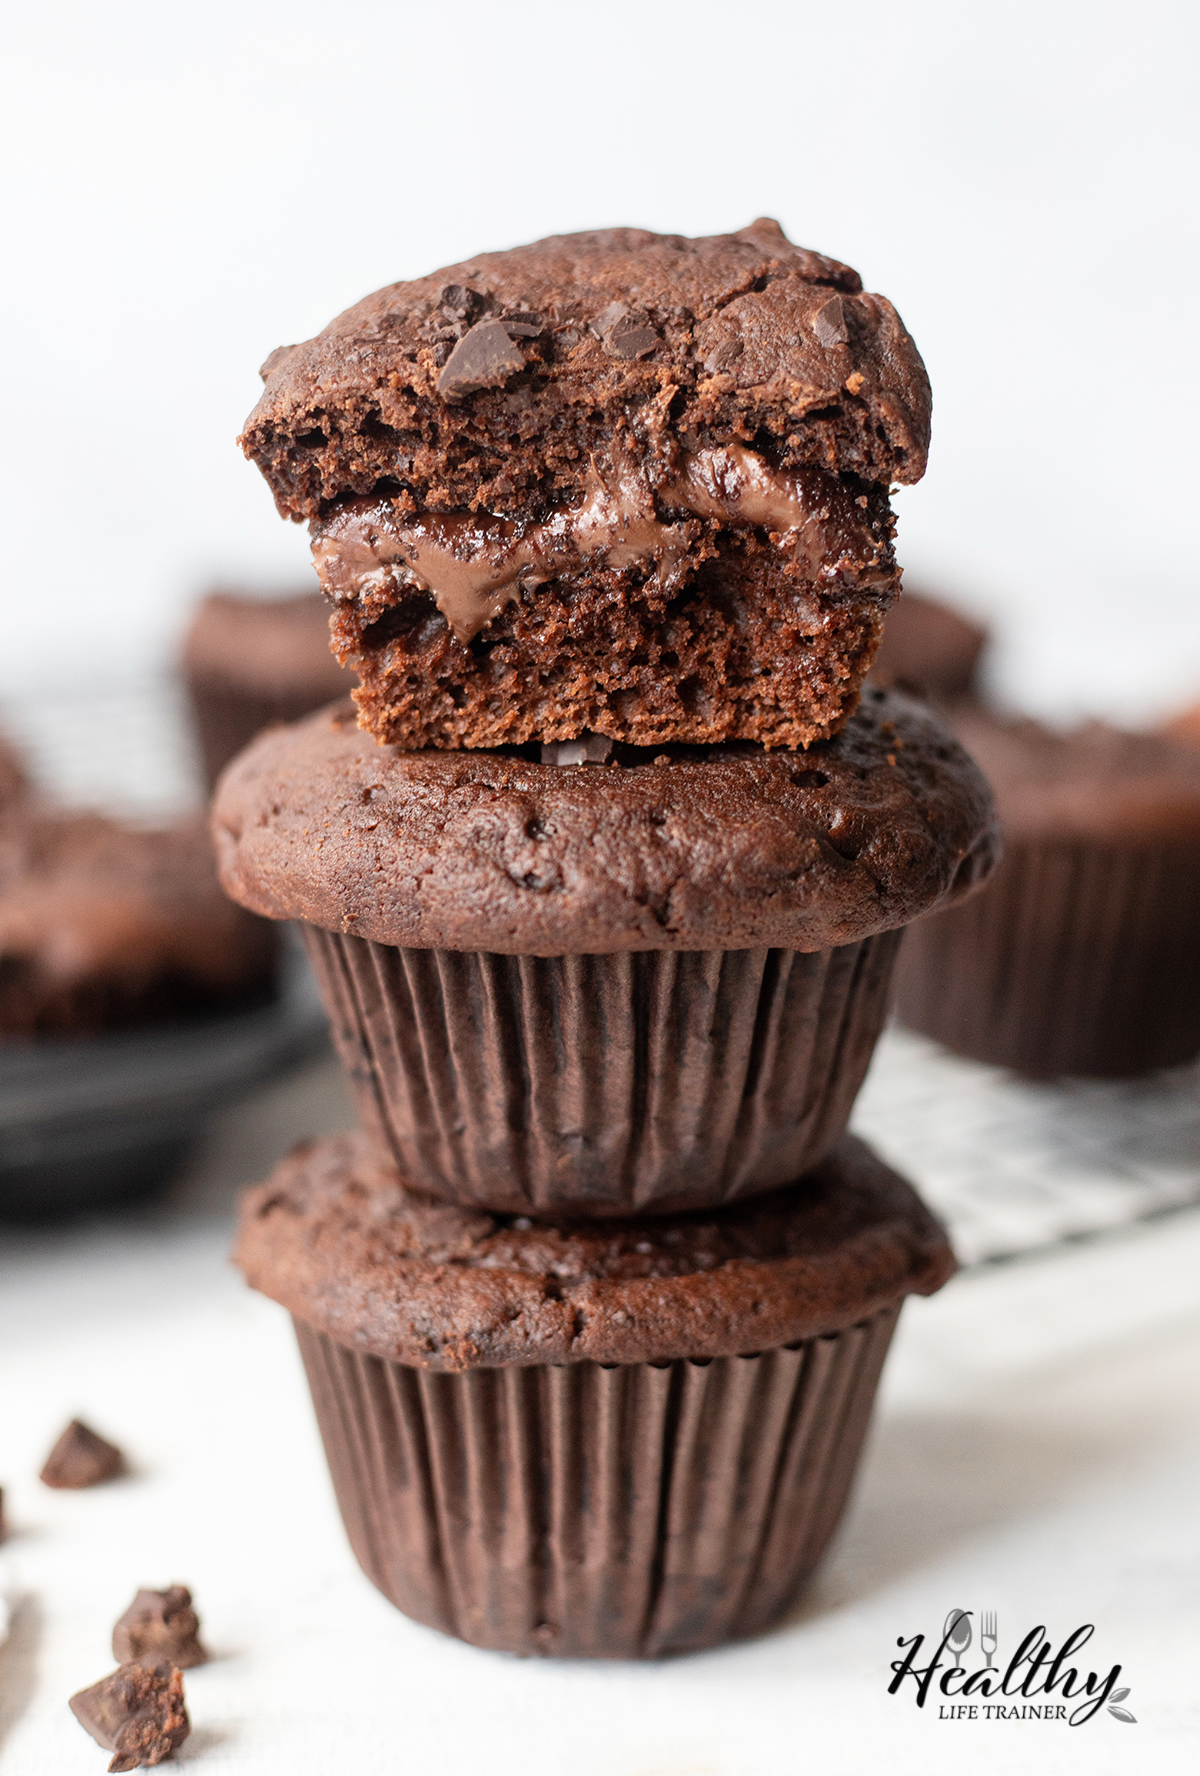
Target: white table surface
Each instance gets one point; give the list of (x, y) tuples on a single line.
[(1036, 1452)]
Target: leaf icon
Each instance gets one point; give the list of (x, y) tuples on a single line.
[(1118, 1695), (1123, 1714)]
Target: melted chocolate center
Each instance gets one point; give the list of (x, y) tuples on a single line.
[(474, 564)]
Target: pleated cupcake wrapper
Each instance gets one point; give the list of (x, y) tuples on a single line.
[(228, 717), (1076, 959), (596, 1512), (604, 1085)]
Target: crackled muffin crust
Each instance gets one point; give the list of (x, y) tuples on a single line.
[(615, 482), (694, 849), (340, 1240)]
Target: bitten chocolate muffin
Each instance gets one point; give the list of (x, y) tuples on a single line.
[(1083, 954), (646, 984), (605, 1442), (248, 662), (615, 482), (103, 925), (930, 648)]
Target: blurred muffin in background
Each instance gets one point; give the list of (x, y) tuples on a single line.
[(1082, 955), (1184, 727), (248, 662), (103, 925), (14, 784), (930, 648)]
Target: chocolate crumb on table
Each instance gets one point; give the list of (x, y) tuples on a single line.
[(81, 1457), (137, 1712), (160, 1625)]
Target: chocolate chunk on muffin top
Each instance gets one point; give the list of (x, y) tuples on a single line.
[(338, 1238), (495, 383), (691, 849)]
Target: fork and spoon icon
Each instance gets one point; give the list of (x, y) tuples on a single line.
[(957, 1634)]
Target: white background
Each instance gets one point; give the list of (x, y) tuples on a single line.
[(195, 185)]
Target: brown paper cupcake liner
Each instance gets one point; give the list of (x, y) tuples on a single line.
[(640, 1082), (226, 721), (1077, 959), (596, 1512)]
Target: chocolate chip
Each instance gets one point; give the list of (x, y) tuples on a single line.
[(462, 302), (522, 326), (624, 335), (631, 338), (608, 317), (137, 1712), (274, 359), (483, 358), (160, 1625), (829, 323), (723, 355), (81, 1458), (589, 749)]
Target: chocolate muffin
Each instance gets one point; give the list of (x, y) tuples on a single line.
[(616, 482), (1185, 726), (248, 662), (104, 925), (14, 785), (605, 1442), (930, 648), (654, 983), (1083, 955)]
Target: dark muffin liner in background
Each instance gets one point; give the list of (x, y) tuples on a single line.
[(645, 1081), (227, 717), (595, 1512), (1079, 958)]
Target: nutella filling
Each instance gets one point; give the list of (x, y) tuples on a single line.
[(474, 564)]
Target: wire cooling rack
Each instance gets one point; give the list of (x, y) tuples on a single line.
[(1012, 1167), (127, 749)]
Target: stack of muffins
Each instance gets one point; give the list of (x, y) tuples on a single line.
[(603, 891)]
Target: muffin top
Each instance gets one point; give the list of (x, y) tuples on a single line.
[(502, 382), (929, 647), (1093, 782), (675, 848), (14, 785), (87, 903), (273, 646), (337, 1238)]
